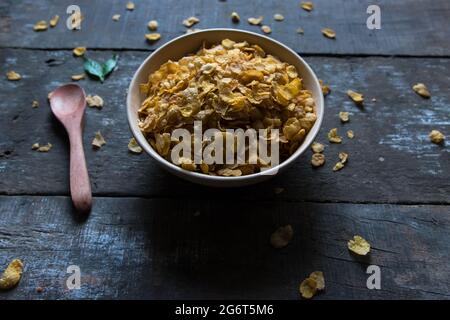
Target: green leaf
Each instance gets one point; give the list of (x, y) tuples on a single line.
[(94, 68), (110, 65)]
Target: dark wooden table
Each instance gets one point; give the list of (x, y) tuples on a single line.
[(153, 236)]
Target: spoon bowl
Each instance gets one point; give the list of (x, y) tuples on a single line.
[(68, 103)]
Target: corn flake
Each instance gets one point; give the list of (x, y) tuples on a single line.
[(79, 51), (235, 17), (35, 104), (13, 76), (350, 134), (116, 17), (77, 77), (189, 22), (282, 236), (134, 147), (359, 245), (255, 21), (45, 148), (422, 90), (343, 115), (152, 25), (343, 157), (436, 136), (307, 5), (338, 166), (95, 101), (130, 6), (278, 17), (152, 37), (40, 26), (333, 136), (35, 146), (318, 159), (266, 29), (12, 274), (329, 33), (308, 288), (300, 31), (357, 98), (98, 140), (317, 147), (54, 21), (320, 280), (325, 88)]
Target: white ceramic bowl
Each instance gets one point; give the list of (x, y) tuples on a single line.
[(190, 43)]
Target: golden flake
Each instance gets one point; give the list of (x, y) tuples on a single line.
[(35, 146), (343, 157), (13, 76), (12, 274), (54, 21), (130, 6), (300, 31), (325, 88), (343, 115), (357, 98), (359, 245), (235, 17), (152, 25), (79, 51), (255, 21), (189, 22), (333, 136), (35, 104), (95, 101), (307, 5), (116, 17), (338, 166), (134, 147), (422, 90), (40, 26), (317, 147), (320, 280), (266, 29), (318, 159), (278, 17), (77, 77), (436, 136), (44, 148), (329, 33), (308, 288), (152, 37), (282, 236), (350, 134), (98, 141)]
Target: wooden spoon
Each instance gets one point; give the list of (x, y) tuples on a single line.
[(68, 103)]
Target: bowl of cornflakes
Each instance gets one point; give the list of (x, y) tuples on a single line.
[(224, 107)]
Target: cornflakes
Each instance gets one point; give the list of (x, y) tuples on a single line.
[(436, 136), (357, 98), (317, 147), (54, 21), (98, 140), (152, 25), (338, 166), (343, 115), (308, 288), (359, 245), (40, 26), (235, 17), (350, 134), (94, 101), (130, 6), (189, 22), (307, 5), (35, 146), (282, 236), (79, 51), (45, 148), (318, 159), (12, 274), (255, 21), (266, 29), (35, 104), (325, 89), (116, 17), (152, 37), (343, 157), (333, 136), (329, 33), (422, 90), (300, 31), (320, 280), (77, 77), (134, 147), (227, 86), (278, 17), (13, 76)]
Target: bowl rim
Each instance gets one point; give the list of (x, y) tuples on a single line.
[(209, 178)]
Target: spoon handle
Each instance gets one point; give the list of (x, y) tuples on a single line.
[(80, 187)]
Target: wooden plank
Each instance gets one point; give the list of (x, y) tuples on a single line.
[(162, 249), (391, 159), (407, 27)]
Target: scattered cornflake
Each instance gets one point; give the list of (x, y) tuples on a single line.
[(343, 115), (255, 21), (35, 146), (40, 26), (359, 245), (318, 159), (94, 101), (98, 141), (152, 37), (79, 51), (308, 288), (192, 30), (187, 164), (436, 136), (235, 17), (77, 77), (12, 274), (45, 148), (350, 134), (329, 33), (266, 29), (374, 99), (13, 76), (343, 157), (54, 21), (325, 88), (227, 172), (278, 190), (300, 31), (357, 98), (116, 17), (152, 25), (338, 166), (333, 136), (35, 104), (189, 22), (307, 5), (318, 277), (282, 236), (317, 147), (422, 90), (278, 17), (130, 6), (134, 147)]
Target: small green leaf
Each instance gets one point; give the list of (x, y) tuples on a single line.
[(94, 68), (110, 65)]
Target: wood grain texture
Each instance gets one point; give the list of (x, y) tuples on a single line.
[(165, 249), (391, 159), (407, 27)]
